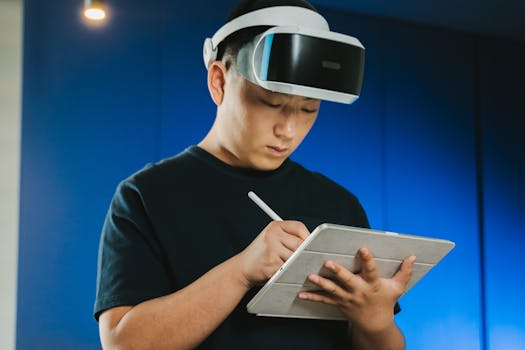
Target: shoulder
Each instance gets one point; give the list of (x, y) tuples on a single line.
[(322, 183), (149, 183), (165, 170)]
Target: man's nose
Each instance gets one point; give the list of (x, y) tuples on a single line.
[(285, 127)]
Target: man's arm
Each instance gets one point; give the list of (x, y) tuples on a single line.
[(367, 300), (182, 320), (389, 338), (177, 321)]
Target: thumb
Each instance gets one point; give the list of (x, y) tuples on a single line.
[(405, 271)]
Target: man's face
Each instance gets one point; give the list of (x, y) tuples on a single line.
[(259, 129)]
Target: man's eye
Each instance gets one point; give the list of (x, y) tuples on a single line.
[(271, 105), (309, 111)]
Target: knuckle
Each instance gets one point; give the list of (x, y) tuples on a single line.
[(295, 223), (295, 245), (336, 268), (271, 235), (274, 259), (326, 300), (321, 283), (287, 255), (297, 226), (273, 227), (301, 226), (268, 239), (318, 297)]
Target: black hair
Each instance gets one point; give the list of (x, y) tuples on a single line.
[(230, 46)]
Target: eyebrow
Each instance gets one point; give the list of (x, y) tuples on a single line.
[(304, 98), (285, 94)]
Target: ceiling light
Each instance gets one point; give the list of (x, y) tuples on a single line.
[(95, 10)]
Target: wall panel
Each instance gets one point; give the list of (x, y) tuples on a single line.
[(89, 111), (503, 127), (431, 178), (187, 108)]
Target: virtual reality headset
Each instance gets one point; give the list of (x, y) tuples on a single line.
[(298, 55)]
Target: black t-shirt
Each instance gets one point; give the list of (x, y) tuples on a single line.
[(173, 221)]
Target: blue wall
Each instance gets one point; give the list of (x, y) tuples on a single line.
[(502, 128), (433, 147)]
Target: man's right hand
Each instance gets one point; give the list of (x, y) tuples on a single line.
[(270, 249)]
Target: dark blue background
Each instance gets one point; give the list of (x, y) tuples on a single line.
[(433, 147)]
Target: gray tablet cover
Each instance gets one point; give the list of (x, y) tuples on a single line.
[(278, 297)]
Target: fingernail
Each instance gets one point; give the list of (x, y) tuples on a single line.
[(364, 252), (302, 296), (329, 265), (313, 278)]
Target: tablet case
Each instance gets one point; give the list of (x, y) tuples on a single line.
[(278, 297)]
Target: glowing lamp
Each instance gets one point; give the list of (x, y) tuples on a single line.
[(95, 10)]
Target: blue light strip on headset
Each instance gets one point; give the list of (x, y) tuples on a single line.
[(266, 57)]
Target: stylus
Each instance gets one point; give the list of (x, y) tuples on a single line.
[(264, 206)]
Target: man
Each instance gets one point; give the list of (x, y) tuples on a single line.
[(183, 248)]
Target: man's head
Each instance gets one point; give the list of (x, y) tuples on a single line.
[(268, 68), (254, 127)]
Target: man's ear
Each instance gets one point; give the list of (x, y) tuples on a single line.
[(216, 81)]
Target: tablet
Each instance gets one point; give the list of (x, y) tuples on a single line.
[(278, 297)]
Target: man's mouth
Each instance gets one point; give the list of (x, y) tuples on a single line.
[(277, 150)]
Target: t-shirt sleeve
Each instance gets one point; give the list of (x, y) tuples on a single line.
[(130, 260), (361, 218), (353, 213)]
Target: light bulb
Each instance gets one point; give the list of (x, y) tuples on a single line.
[(95, 14), (95, 10)]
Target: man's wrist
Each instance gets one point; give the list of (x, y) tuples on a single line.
[(237, 273), (374, 327), (387, 338)]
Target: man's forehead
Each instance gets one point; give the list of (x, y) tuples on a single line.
[(270, 93), (282, 94)]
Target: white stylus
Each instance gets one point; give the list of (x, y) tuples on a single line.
[(264, 206)]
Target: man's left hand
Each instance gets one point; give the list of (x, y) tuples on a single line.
[(366, 299)]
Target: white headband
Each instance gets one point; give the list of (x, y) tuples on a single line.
[(271, 16)]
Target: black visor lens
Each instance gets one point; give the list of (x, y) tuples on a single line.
[(314, 62)]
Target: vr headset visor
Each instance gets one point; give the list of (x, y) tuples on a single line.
[(298, 58)]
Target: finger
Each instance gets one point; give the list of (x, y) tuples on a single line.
[(295, 228), (405, 271), (291, 242), (369, 270), (319, 297), (347, 278), (284, 253), (327, 285)]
